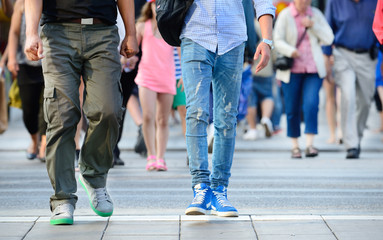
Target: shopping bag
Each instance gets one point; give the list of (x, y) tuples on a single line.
[(14, 95)]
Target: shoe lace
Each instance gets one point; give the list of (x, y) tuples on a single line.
[(200, 196), (101, 194), (221, 199)]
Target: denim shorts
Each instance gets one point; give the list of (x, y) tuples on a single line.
[(261, 90)]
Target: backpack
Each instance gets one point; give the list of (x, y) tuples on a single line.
[(170, 19)]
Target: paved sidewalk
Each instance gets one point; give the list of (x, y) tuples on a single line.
[(262, 227)]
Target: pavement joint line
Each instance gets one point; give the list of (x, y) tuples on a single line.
[(284, 217), (106, 227), (253, 226), (214, 218), (352, 217), (79, 218), (145, 218), (328, 226), (18, 219), (175, 218), (179, 227), (33, 225)]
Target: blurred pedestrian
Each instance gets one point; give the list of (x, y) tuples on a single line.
[(379, 90), (128, 73), (179, 101), (80, 39), (261, 95), (30, 79), (299, 30), (6, 11), (332, 104), (354, 55), (157, 86), (212, 51), (378, 21)]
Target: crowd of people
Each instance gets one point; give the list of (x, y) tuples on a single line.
[(80, 68)]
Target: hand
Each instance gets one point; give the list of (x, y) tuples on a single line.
[(329, 62), (181, 83), (307, 22), (33, 48), (295, 54), (129, 46), (1, 66), (123, 61), (131, 62), (264, 50), (13, 67)]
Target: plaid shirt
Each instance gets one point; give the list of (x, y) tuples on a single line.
[(219, 25)]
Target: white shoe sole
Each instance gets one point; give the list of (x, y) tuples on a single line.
[(196, 211), (224, 214)]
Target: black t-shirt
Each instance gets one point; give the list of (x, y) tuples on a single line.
[(64, 10)]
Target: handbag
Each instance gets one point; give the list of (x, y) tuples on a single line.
[(285, 63), (170, 19)]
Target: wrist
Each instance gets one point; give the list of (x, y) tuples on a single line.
[(268, 42)]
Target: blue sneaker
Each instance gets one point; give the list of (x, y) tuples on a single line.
[(201, 202), (220, 206)]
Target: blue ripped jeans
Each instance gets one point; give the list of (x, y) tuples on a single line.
[(201, 67)]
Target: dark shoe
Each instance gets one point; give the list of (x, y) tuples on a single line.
[(352, 153), (266, 122), (140, 146), (311, 151), (117, 161), (296, 153), (210, 146), (31, 156), (76, 160), (359, 150), (210, 138)]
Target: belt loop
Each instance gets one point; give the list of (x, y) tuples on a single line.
[(87, 21)]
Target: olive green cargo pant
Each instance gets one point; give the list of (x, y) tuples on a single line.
[(73, 51)]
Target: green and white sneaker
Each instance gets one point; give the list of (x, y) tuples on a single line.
[(62, 214), (99, 198)]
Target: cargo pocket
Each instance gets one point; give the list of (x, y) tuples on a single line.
[(51, 112)]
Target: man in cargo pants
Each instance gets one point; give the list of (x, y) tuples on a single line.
[(80, 39)]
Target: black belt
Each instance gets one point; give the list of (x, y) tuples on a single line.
[(355, 50), (86, 21)]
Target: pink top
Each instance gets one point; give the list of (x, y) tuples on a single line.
[(305, 62), (377, 26), (156, 70)]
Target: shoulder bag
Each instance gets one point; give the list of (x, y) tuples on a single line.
[(285, 63), (170, 19)]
